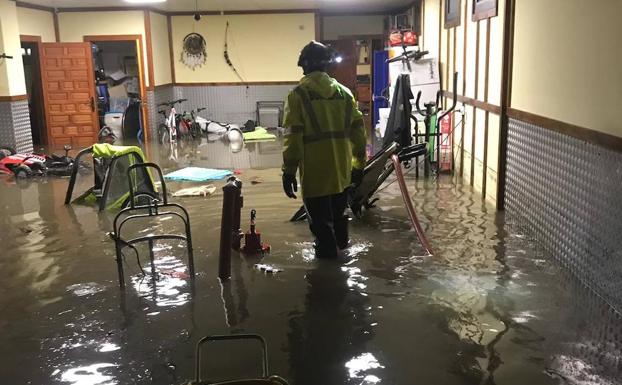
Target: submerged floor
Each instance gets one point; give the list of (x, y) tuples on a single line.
[(489, 308)]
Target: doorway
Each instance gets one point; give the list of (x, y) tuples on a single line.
[(32, 76), (120, 85), (356, 71)]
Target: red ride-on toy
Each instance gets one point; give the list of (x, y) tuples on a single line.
[(27, 165), (21, 165)]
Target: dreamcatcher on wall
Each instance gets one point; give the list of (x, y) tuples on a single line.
[(194, 50)]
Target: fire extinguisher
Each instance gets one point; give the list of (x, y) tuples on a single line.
[(446, 155)]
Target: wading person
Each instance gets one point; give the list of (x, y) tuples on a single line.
[(325, 140)]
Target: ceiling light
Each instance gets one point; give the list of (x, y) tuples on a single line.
[(144, 1)]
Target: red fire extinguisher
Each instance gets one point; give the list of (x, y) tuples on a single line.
[(446, 144)]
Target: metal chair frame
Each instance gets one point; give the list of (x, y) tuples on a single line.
[(266, 378), (155, 208)]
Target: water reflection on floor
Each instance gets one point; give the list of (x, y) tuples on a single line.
[(488, 308)]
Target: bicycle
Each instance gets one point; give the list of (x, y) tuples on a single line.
[(168, 130), (190, 123)]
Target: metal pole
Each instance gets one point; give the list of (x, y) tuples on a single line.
[(119, 259), (230, 199), (428, 122), (237, 232)]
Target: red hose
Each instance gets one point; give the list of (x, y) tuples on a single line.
[(409, 204)]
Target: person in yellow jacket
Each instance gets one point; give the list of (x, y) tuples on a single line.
[(325, 141)]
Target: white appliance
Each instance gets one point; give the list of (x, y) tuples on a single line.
[(114, 120)]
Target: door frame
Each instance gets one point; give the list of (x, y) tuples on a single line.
[(138, 39), (37, 41)]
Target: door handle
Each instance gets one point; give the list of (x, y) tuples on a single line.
[(92, 104)]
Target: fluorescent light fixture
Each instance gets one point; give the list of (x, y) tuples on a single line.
[(144, 1)]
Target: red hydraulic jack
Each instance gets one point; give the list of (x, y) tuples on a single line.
[(252, 239)]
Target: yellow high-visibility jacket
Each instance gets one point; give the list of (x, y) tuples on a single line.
[(325, 135)]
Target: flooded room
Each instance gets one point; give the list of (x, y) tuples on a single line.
[(310, 192)]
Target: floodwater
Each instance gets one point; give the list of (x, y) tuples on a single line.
[(488, 308)]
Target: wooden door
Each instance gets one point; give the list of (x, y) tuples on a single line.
[(69, 93), (345, 72)]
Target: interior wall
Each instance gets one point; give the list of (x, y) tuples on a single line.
[(475, 51), (11, 70), (580, 82), (161, 49), (37, 23), (335, 26), (262, 47), (429, 39), (114, 52), (73, 26)]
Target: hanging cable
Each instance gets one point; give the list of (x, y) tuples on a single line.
[(197, 15)]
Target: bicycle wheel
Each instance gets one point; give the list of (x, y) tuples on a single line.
[(163, 134), (195, 130)]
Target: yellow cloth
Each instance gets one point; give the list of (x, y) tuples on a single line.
[(260, 133), (325, 151)]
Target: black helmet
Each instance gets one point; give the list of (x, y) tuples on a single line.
[(316, 57)]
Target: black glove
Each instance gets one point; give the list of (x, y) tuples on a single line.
[(357, 176), (290, 185)]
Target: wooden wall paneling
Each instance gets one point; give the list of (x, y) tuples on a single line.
[(268, 12), (13, 98), (30, 38), (169, 23), (492, 108), (506, 97), (23, 4), (487, 114), (474, 128), (464, 76), (423, 25), (598, 138), (446, 81), (440, 39), (319, 35), (150, 69), (453, 69), (221, 84), (143, 89)]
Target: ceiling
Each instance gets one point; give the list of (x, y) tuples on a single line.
[(346, 6)]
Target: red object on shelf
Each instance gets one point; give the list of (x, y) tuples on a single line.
[(395, 38), (446, 144)]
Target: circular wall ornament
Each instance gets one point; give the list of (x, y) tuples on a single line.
[(194, 50)]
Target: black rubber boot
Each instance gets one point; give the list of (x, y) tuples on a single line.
[(341, 233)]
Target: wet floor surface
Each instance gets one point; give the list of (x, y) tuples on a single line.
[(489, 308)]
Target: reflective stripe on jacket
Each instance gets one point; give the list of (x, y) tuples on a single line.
[(325, 135)]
